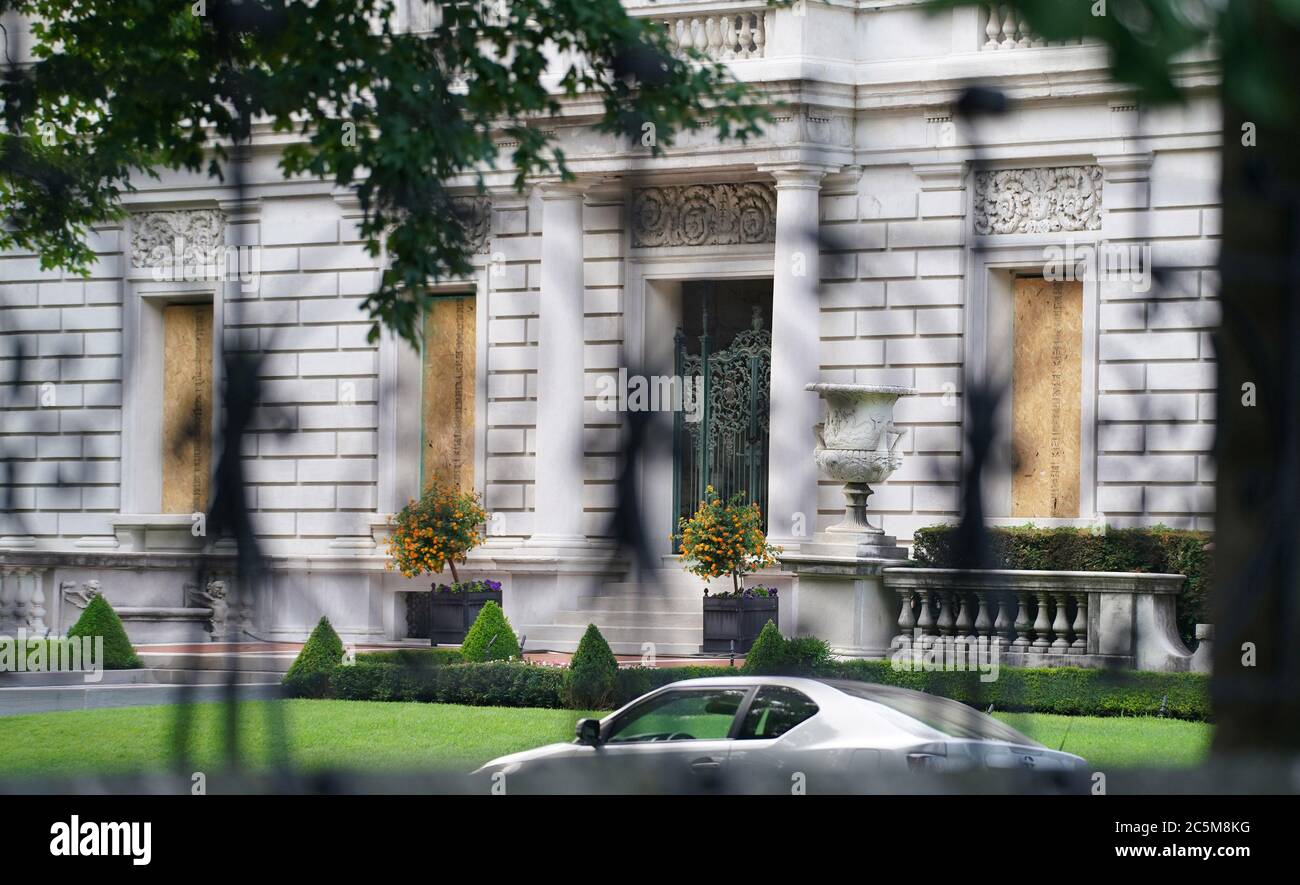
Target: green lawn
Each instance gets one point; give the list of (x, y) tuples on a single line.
[(1118, 742), (360, 734)]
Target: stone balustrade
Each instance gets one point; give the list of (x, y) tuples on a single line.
[(1004, 28), (1043, 618), (22, 600), (721, 35)]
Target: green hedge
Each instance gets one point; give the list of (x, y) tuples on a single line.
[(1071, 691), (1155, 549), (491, 684), (413, 657), (1066, 690)]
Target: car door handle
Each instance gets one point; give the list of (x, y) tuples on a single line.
[(705, 765)]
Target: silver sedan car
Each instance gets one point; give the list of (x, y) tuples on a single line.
[(774, 733)]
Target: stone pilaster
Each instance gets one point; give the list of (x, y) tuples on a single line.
[(792, 475), (557, 512)]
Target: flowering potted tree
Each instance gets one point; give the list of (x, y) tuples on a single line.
[(431, 534), (726, 538)]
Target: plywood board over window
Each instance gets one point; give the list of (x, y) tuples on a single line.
[(187, 407), (448, 391), (1046, 397)]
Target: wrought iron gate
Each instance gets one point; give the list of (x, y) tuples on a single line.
[(727, 446)]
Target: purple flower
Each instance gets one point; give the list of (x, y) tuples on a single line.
[(493, 585)]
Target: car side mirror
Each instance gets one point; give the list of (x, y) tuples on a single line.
[(588, 732)]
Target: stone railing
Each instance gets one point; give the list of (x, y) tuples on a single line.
[(727, 31), (1005, 29), (22, 600), (722, 35), (1041, 618)]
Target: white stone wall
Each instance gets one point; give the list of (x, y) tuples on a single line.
[(61, 427), (896, 275)]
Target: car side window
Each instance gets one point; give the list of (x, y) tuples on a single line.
[(776, 710), (701, 714)]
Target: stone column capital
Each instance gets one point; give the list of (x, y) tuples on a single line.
[(798, 175), (555, 188)]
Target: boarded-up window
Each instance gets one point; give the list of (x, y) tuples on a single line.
[(448, 392), (187, 407), (1046, 380)]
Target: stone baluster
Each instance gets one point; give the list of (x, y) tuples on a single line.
[(22, 597), (965, 618), (983, 623), (1022, 623), (1023, 39), (6, 588), (36, 619), (714, 27), (925, 621), (993, 30), (947, 620), (1003, 622), (1061, 625), (1010, 27), (759, 38), (906, 619), (1080, 644), (1041, 625)]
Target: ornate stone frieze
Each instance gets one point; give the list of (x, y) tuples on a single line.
[(199, 234), (1035, 201), (704, 215), (475, 216)]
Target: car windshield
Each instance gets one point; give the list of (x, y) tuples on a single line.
[(944, 715)]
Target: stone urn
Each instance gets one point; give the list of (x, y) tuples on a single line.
[(857, 445)]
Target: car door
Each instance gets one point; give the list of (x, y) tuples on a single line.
[(674, 741), (766, 757)]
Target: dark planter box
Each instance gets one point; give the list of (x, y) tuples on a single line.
[(447, 616), (738, 619)]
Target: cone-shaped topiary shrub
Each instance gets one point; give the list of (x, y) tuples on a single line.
[(99, 619), (767, 654), (593, 672), (309, 674), (774, 655), (491, 638)]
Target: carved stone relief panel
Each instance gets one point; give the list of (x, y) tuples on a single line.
[(1035, 201), (704, 215)]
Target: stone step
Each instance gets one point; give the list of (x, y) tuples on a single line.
[(39, 699), (622, 640), (142, 676), (631, 618), (647, 604), (656, 591), (269, 662)]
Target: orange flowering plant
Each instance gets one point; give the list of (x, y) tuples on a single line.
[(725, 538), (436, 531)]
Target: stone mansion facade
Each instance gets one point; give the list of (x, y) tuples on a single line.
[(869, 236)]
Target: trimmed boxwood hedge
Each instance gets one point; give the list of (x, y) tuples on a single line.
[(1072, 691), (1154, 549), (413, 657), (99, 619), (309, 674), (491, 684), (1065, 690)]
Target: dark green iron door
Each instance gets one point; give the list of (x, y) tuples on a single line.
[(721, 437)]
